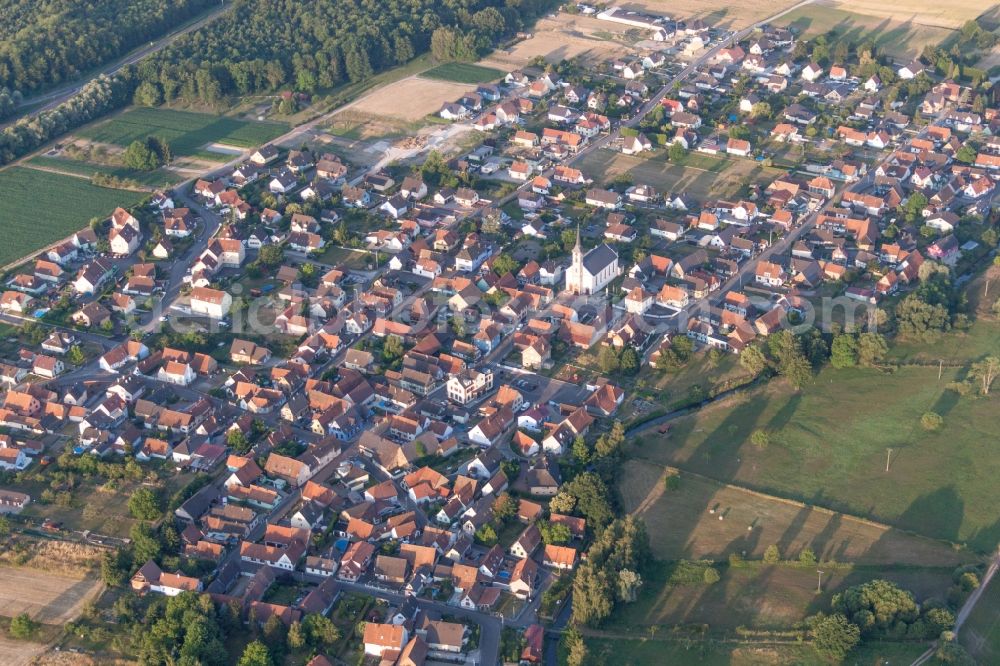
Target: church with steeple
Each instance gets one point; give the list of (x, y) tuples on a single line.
[(589, 273)]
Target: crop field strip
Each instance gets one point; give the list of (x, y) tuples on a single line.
[(38, 208), (157, 178), (463, 72), (187, 133)]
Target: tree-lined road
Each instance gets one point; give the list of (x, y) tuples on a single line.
[(53, 98)]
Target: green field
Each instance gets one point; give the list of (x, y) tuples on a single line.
[(157, 178), (981, 632), (684, 524), (39, 208), (640, 652), (758, 597), (958, 347), (187, 133), (829, 444), (900, 38), (982, 338), (463, 72)]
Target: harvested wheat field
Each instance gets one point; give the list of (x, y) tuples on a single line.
[(45, 596), (19, 653), (562, 38), (951, 14), (903, 36), (990, 60), (410, 99), (717, 13)]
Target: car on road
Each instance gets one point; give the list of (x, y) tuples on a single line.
[(164, 318)]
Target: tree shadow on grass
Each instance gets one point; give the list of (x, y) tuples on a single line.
[(985, 539), (938, 514), (792, 530), (785, 414), (945, 402), (718, 454)]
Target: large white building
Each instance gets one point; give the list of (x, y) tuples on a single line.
[(212, 303), (469, 385), (591, 272)]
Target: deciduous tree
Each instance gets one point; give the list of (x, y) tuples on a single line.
[(835, 636)]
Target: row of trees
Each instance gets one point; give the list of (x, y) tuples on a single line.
[(586, 495), (100, 96), (47, 42), (789, 355), (797, 356), (610, 574)]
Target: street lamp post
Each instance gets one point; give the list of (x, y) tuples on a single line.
[(819, 581)]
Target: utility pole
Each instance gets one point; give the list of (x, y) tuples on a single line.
[(819, 581), (888, 453), (940, 367)]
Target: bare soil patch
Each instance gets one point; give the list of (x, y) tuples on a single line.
[(45, 596), (561, 38), (19, 653), (410, 99)]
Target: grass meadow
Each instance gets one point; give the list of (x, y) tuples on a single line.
[(704, 519), (640, 652), (981, 632), (829, 443), (157, 178), (755, 596)]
